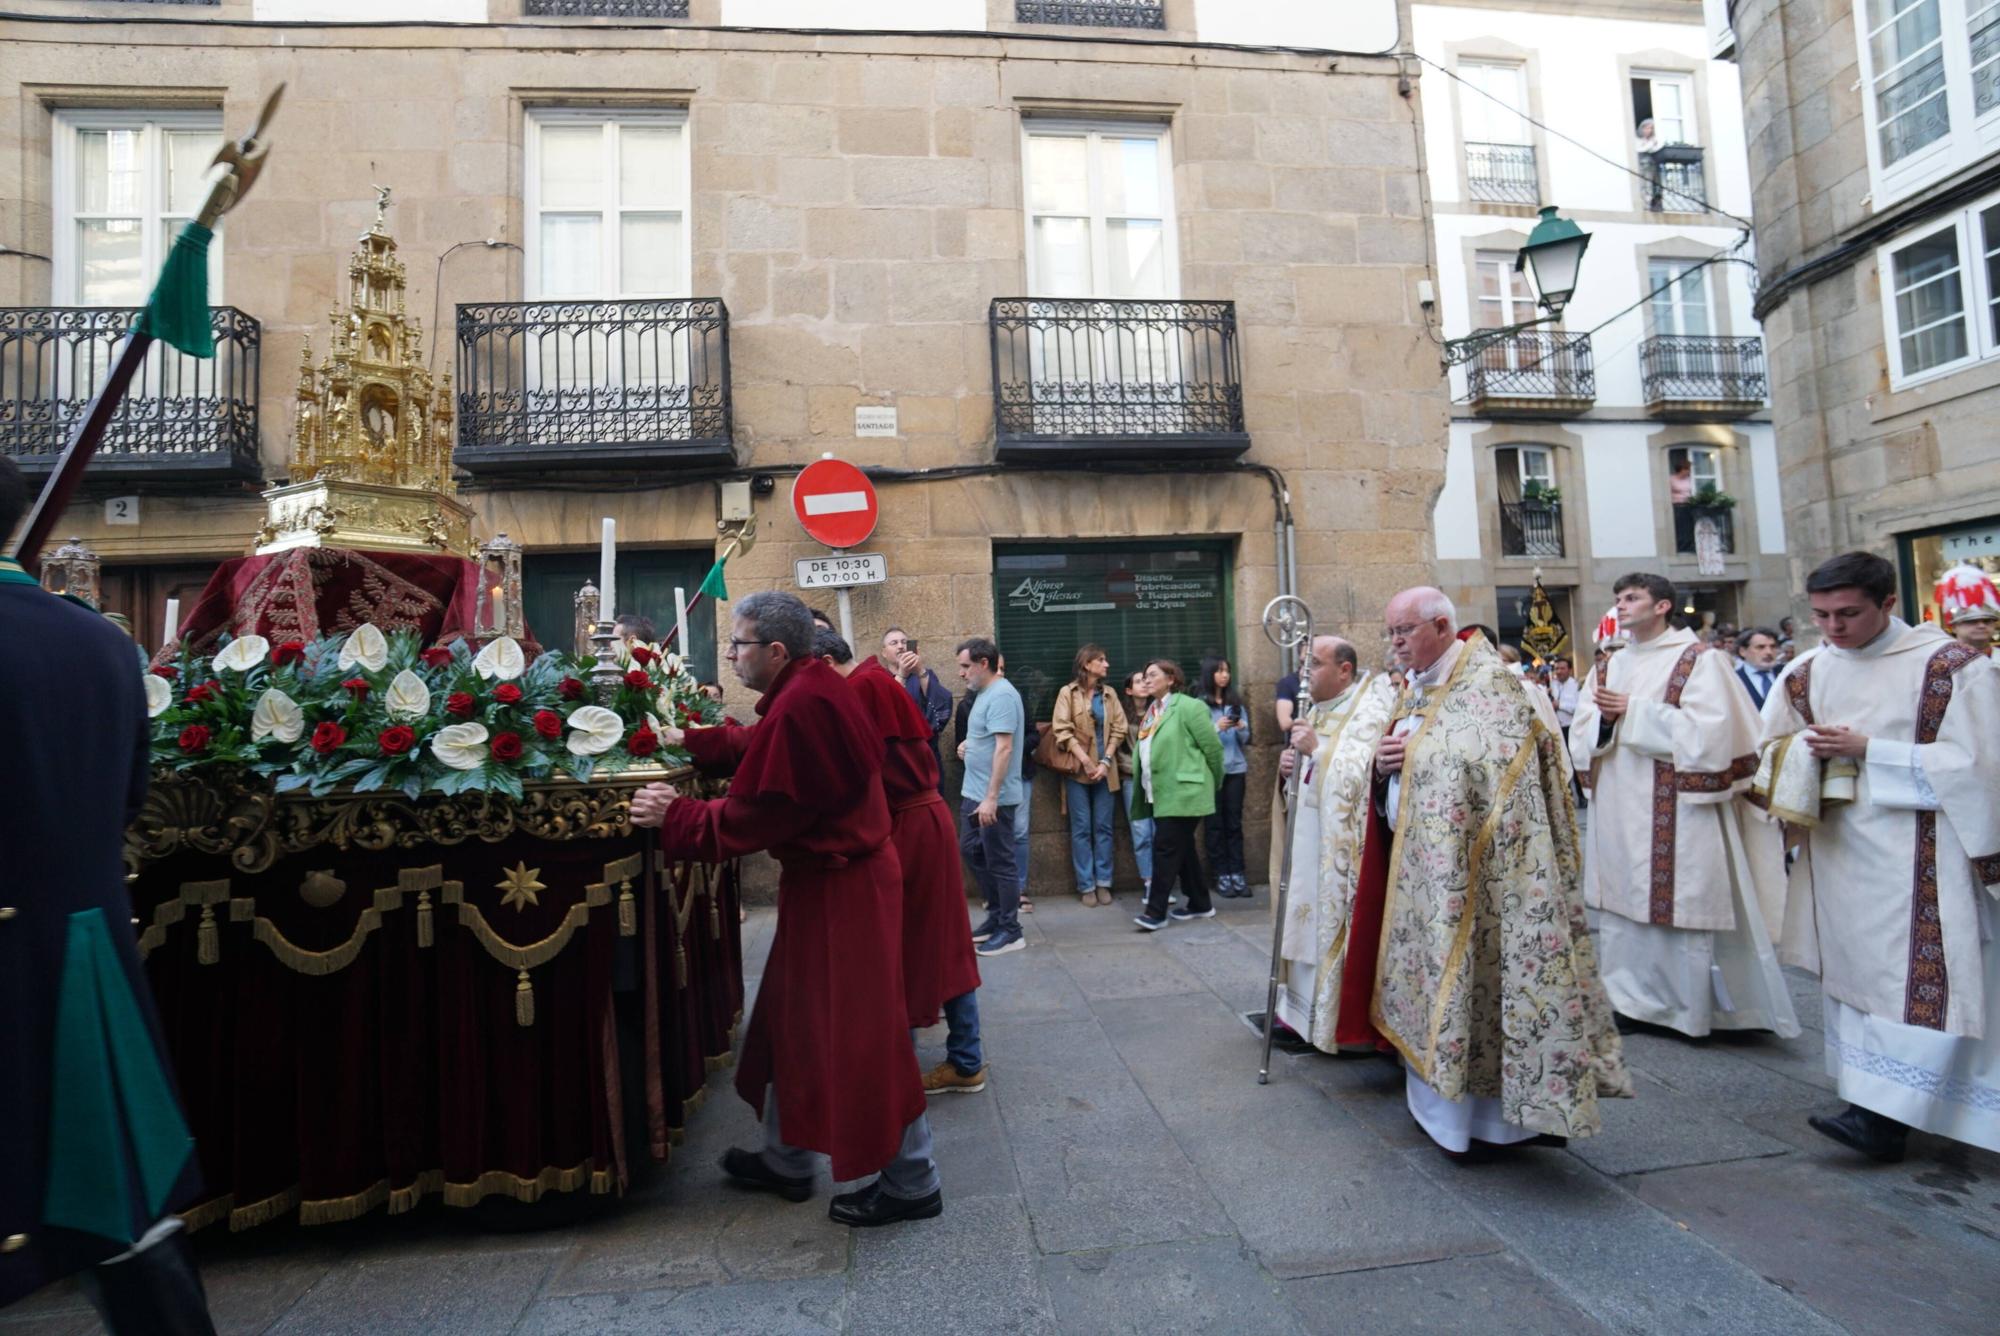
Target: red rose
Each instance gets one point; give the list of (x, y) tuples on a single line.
[(639, 679), (643, 742), (357, 685), (570, 689), (202, 691), (395, 741), (642, 656), (548, 723), (289, 651), (194, 739), (436, 657), (168, 671), (328, 736), (461, 704), (507, 694), (507, 747)]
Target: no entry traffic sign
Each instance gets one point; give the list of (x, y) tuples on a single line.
[(835, 502)]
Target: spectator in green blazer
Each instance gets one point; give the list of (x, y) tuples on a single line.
[(1178, 769)]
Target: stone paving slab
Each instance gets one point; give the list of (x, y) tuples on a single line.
[(815, 1307), (1184, 1288), (474, 1292), (1660, 1129), (1613, 1256), (1104, 1180), (1058, 1069), (1494, 1295), (973, 1269), (1827, 1237), (1131, 968)]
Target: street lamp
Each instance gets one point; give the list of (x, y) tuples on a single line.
[(1552, 256)]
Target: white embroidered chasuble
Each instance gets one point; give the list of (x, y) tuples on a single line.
[(1689, 876), (1327, 839), (1893, 898)]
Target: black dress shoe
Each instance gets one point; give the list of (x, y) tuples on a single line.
[(1877, 1137), (748, 1168), (871, 1206)]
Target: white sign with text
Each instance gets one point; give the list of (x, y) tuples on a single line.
[(874, 420), (843, 571)]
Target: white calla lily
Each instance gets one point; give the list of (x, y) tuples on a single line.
[(367, 646), (243, 653), (596, 730), (277, 716), (460, 746), (158, 696), (501, 659), (407, 697), (673, 664)]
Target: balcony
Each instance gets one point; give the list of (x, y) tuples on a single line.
[(1702, 377), (608, 9), (1535, 373), (593, 385), (1502, 174), (1093, 13), (1531, 529), (183, 419), (1674, 180), (1689, 521), (1096, 379)]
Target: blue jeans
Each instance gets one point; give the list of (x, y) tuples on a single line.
[(1142, 832), (961, 1045), (989, 852), (1021, 838), (1089, 833)]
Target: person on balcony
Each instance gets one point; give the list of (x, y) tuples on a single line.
[(1680, 486)]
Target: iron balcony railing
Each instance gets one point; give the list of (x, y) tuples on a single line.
[(1531, 529), (1502, 173), (1093, 13), (1687, 518), (1702, 368), (1674, 180), (609, 9), (1070, 372), (593, 384), (182, 418), (1534, 364)]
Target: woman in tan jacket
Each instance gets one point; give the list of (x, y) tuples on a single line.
[(1090, 725)]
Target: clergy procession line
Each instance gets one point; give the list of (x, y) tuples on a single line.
[(1437, 911)]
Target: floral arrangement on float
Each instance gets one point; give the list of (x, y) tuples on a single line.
[(381, 711)]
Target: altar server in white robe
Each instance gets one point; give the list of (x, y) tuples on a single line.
[(1687, 876), (1337, 741), (1894, 895)]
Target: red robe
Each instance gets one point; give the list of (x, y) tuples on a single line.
[(938, 962), (829, 1032)]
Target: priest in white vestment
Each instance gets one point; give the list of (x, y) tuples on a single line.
[(1337, 741), (1687, 876), (1894, 895)]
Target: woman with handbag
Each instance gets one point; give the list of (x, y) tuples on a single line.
[(1084, 737), (1224, 830), (1179, 770)]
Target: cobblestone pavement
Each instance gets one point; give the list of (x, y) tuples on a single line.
[(1123, 1172)]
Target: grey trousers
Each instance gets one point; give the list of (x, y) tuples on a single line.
[(912, 1175)]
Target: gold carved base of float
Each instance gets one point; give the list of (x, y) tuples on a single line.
[(331, 513)]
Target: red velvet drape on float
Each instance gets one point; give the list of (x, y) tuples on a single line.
[(308, 592), (372, 1051)]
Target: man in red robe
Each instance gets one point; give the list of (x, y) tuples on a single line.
[(940, 974), (827, 1059)]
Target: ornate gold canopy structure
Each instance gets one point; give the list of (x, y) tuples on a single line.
[(371, 437)]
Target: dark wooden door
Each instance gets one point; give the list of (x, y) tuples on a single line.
[(141, 591)]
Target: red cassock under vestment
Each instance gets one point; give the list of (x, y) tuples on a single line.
[(829, 1032), (938, 963)]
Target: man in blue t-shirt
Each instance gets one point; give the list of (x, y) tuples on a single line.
[(991, 792)]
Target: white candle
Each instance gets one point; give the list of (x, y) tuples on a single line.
[(681, 620), (607, 568), (173, 621)]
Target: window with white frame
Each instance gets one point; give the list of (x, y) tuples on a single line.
[(1502, 291), (1678, 297), (125, 182), (1667, 100), (1100, 211), (1499, 151), (606, 203), (1931, 89), (1989, 242), (1925, 282), (1538, 469), (1705, 468)]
